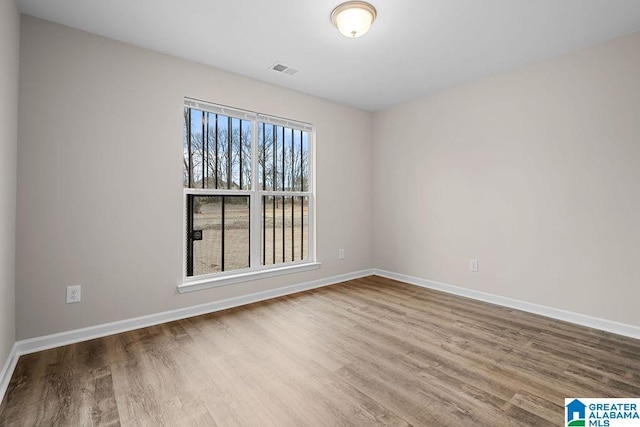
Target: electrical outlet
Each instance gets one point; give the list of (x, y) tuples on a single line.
[(473, 265), (73, 294), (340, 253)]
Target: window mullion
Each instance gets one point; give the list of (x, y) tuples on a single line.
[(204, 149), (311, 188), (190, 145), (240, 149), (216, 173), (222, 232), (229, 151), (255, 199)]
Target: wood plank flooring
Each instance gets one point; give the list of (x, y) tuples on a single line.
[(366, 352)]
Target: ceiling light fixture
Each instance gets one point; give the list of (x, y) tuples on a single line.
[(353, 18)]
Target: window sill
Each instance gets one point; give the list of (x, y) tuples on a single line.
[(214, 282)]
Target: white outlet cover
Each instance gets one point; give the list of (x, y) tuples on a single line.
[(473, 265), (73, 294)]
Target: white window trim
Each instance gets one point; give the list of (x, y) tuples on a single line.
[(254, 272), (238, 276)]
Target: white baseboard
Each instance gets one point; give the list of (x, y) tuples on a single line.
[(554, 313), (64, 338), (46, 342), (7, 370)]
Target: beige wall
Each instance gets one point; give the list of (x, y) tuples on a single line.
[(536, 173), (533, 172), (9, 60), (99, 178)]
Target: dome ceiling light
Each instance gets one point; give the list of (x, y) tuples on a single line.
[(353, 18)]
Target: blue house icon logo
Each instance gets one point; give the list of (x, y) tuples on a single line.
[(576, 413)]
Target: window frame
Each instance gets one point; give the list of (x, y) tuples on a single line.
[(255, 270)]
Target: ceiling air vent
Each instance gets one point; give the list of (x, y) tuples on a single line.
[(285, 69)]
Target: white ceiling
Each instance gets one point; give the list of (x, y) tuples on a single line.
[(414, 48)]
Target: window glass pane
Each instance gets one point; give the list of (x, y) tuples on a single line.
[(193, 149), (243, 153), (288, 159), (301, 225), (284, 158), (224, 140), (295, 160), (218, 234), (237, 232), (275, 151), (287, 223), (266, 153), (285, 229), (270, 230), (210, 152), (216, 151)]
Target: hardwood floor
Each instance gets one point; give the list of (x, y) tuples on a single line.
[(370, 351)]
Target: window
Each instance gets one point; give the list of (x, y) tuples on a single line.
[(248, 196)]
